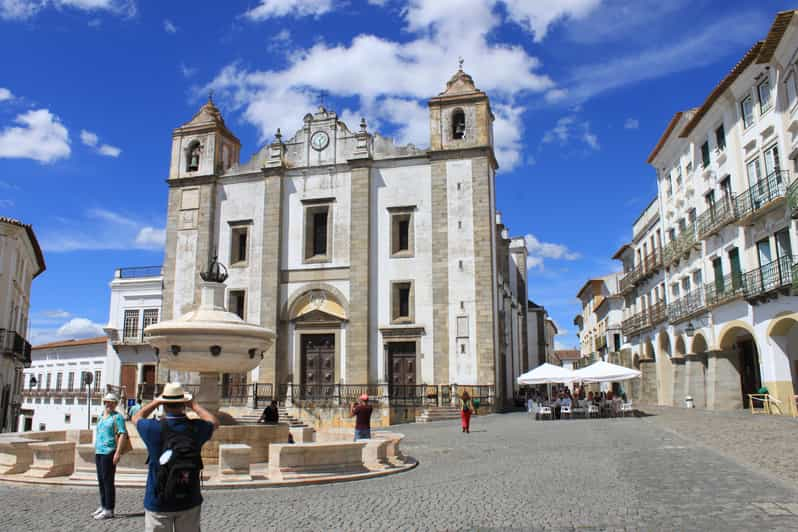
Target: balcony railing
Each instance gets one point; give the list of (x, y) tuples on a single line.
[(762, 281), (138, 272), (686, 306), (651, 263), (713, 219), (644, 319), (723, 290), (14, 344), (792, 198), (761, 194), (629, 280), (680, 246)]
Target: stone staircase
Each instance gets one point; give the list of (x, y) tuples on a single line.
[(438, 413), (252, 415)]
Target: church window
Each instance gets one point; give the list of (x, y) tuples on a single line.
[(458, 124), (235, 303), (402, 232), (193, 157), (402, 302), (238, 245), (318, 233)]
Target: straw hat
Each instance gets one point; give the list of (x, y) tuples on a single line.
[(173, 393), (110, 398)]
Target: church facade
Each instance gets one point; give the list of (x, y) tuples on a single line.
[(374, 263)]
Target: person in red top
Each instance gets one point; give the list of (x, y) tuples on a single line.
[(361, 411)]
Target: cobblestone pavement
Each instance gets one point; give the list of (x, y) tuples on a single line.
[(511, 472)]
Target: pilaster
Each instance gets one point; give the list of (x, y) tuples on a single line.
[(270, 283), (440, 273), (679, 382), (695, 379), (724, 391), (648, 384), (357, 346)]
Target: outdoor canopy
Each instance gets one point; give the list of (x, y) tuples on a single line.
[(601, 371), (547, 374)]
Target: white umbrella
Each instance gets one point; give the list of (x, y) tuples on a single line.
[(605, 372), (547, 374)]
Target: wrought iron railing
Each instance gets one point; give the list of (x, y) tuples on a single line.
[(648, 266), (769, 277), (652, 262), (724, 289), (644, 319), (680, 246), (485, 393), (715, 217), (760, 194), (13, 343), (687, 305), (629, 280), (792, 198), (657, 313), (138, 271)]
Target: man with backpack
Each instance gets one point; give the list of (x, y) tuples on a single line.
[(172, 499)]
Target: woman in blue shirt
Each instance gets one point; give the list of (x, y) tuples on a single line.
[(108, 436)]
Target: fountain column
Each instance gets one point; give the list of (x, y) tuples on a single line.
[(208, 395)]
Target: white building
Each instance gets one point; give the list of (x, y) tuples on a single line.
[(136, 295), (373, 262), (21, 260), (55, 396), (599, 323), (727, 200)]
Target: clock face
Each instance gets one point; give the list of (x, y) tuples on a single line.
[(319, 140)]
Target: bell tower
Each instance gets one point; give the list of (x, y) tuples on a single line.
[(202, 150), (460, 116)]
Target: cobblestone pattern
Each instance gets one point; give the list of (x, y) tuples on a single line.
[(510, 472)]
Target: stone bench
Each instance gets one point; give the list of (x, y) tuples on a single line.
[(303, 434), (16, 456), (132, 465), (234, 461), (392, 452), (52, 459), (375, 454), (290, 461)]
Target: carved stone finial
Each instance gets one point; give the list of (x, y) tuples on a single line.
[(363, 124), (278, 136), (460, 62)]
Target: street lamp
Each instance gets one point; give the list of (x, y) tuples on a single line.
[(689, 330)]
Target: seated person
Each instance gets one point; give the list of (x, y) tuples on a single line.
[(270, 414)]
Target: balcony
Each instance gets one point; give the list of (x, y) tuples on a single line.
[(14, 344), (760, 197), (138, 272), (792, 199), (628, 281), (681, 246), (687, 306), (651, 263), (723, 290), (644, 319), (767, 281), (715, 218)]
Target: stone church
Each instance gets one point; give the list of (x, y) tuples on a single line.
[(374, 263)]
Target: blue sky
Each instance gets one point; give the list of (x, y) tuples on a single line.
[(90, 91)]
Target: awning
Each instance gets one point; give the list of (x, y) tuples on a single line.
[(605, 372), (547, 374)]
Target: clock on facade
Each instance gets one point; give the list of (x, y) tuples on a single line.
[(319, 140)]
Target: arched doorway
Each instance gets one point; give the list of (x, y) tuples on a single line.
[(783, 335), (664, 369), (679, 347), (737, 340)]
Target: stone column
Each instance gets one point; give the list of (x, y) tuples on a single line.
[(695, 380), (648, 384), (724, 390), (440, 274), (208, 395), (270, 287), (357, 347), (679, 383)]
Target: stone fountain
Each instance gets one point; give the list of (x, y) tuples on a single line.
[(210, 340)]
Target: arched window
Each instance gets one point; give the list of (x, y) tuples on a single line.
[(193, 156), (458, 124)]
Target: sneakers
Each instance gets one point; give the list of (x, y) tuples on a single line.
[(98, 511), (105, 514)]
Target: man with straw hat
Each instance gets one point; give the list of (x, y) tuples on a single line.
[(172, 498), (108, 438), (362, 413)]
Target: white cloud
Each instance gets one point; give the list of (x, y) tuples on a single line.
[(93, 141), (6, 203), (150, 237), (569, 128), (57, 313), (25, 9), (538, 16), (74, 329), (539, 251), (169, 26), (401, 75), (187, 71), (296, 8), (631, 123), (80, 328), (40, 136), (5, 94), (100, 229)]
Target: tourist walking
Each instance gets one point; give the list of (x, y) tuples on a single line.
[(172, 498), (135, 407), (361, 411), (466, 407), (109, 435)]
